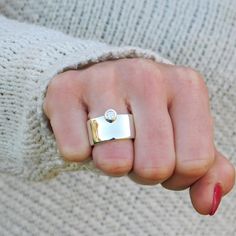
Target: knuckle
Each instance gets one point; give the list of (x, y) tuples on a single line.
[(147, 78), (70, 154), (111, 85), (152, 75), (62, 82), (112, 159), (194, 167), (60, 86), (115, 168), (193, 80), (159, 173)]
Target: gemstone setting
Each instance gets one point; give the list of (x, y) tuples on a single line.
[(110, 115)]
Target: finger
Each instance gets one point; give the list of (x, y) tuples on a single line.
[(207, 191), (113, 157), (68, 120), (154, 145), (193, 131)]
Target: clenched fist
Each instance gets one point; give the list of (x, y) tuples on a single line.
[(174, 143)]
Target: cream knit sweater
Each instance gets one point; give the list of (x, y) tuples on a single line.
[(67, 34)]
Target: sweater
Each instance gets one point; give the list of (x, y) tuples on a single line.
[(41, 39)]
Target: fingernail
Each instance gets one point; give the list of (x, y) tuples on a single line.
[(217, 195)]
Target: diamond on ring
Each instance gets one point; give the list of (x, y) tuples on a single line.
[(110, 115)]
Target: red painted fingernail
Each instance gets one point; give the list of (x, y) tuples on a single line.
[(217, 195)]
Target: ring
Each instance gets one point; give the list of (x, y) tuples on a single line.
[(110, 126)]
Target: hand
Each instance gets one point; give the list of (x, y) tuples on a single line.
[(174, 142)]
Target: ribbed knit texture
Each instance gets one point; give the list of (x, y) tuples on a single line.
[(200, 34), (28, 147)]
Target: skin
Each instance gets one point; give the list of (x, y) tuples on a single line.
[(174, 144)]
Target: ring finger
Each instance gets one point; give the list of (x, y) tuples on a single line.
[(114, 157)]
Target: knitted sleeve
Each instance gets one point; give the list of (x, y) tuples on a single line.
[(30, 56)]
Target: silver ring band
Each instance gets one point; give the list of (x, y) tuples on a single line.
[(110, 126)]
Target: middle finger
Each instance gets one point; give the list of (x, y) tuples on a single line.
[(154, 159)]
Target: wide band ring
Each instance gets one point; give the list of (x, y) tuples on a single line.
[(110, 126)]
